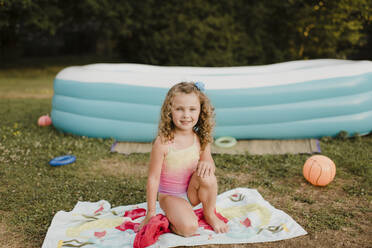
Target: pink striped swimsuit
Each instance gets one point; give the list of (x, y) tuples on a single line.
[(177, 169)]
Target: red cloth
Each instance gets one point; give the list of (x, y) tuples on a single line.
[(150, 233), (158, 225)]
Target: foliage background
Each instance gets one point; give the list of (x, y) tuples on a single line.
[(193, 32)]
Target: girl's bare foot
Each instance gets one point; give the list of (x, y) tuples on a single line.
[(218, 225)]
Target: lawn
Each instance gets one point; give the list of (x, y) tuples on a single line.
[(31, 191)]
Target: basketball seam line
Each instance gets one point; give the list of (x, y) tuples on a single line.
[(311, 167), (320, 174)]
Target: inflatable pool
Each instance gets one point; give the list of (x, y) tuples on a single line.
[(291, 100)]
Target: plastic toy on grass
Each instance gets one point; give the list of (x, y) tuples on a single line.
[(319, 170), (44, 120), (62, 160), (225, 142)]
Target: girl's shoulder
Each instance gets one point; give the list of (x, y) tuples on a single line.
[(160, 144)]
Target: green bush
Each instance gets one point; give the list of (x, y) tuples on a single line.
[(194, 32)]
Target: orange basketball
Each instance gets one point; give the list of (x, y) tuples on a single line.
[(319, 170)]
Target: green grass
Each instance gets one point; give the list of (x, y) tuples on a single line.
[(26, 82), (31, 191), (34, 77)]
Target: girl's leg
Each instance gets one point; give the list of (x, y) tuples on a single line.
[(180, 214), (204, 190)]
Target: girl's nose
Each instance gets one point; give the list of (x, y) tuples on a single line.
[(186, 113)]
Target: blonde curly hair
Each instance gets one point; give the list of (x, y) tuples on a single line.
[(204, 126)]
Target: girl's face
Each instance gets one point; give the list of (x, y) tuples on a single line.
[(185, 111)]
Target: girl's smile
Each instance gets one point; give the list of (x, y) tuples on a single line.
[(186, 122)]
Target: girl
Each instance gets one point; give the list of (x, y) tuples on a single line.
[(181, 170)]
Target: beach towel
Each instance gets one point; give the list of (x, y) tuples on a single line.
[(251, 219)]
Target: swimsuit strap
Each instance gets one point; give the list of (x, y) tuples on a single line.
[(170, 145)]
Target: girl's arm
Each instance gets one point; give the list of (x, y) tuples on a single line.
[(206, 166), (156, 161)]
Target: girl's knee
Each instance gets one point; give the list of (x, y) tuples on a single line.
[(208, 181), (188, 229)]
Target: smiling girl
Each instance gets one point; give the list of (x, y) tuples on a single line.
[(181, 169)]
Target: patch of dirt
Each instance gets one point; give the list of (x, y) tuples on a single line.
[(10, 239), (114, 167), (242, 177)]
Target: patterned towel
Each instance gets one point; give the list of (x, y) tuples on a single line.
[(96, 224)]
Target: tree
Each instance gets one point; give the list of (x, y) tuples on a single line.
[(326, 29), (193, 32), (25, 20)]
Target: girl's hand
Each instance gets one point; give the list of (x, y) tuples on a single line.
[(205, 169), (144, 222)]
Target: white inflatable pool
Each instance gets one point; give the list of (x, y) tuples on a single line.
[(298, 99)]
